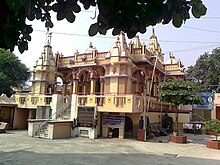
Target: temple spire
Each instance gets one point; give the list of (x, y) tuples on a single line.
[(154, 46)]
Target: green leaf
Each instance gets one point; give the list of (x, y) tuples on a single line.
[(38, 15), (132, 31), (31, 16), (93, 30), (70, 16), (102, 31), (131, 34), (27, 37), (76, 8), (48, 24), (195, 12), (60, 16), (21, 47), (56, 7), (142, 29), (177, 20), (116, 31), (201, 9), (86, 4), (29, 29)]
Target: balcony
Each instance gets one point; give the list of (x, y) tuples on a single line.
[(82, 100), (112, 103), (32, 101), (100, 101)]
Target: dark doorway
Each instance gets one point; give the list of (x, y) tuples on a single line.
[(115, 132), (97, 87), (7, 115), (217, 113), (128, 127)]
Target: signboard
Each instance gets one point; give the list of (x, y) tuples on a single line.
[(208, 103), (112, 120), (86, 116)]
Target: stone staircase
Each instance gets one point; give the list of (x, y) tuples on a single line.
[(42, 132), (64, 113)]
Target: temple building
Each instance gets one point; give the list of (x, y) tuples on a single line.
[(101, 93), (174, 68)]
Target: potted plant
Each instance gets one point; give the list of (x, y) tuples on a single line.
[(213, 126), (178, 92)]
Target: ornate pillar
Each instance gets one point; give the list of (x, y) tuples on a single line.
[(101, 86), (75, 82), (92, 84), (64, 88), (93, 77), (84, 89), (75, 86)]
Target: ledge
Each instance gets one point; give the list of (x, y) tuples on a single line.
[(178, 139), (213, 144)]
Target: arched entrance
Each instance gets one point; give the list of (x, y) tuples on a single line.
[(84, 82), (128, 127)]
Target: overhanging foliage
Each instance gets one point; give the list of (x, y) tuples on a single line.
[(129, 16)]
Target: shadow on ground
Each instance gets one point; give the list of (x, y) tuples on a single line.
[(25, 157)]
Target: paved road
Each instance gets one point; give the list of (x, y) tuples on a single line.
[(16, 148)]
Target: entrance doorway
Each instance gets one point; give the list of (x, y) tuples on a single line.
[(217, 113), (128, 127), (113, 133), (7, 115)]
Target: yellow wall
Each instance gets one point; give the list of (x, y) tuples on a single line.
[(107, 85), (114, 85), (29, 98)]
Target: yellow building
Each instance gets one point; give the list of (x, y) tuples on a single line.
[(113, 89)]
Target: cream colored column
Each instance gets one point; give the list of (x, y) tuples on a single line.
[(121, 133), (84, 89), (30, 114), (75, 86), (92, 88), (64, 88)]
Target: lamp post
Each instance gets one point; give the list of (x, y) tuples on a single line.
[(146, 106)]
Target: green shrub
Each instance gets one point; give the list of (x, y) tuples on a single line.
[(214, 126)]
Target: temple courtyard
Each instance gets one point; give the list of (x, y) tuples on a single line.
[(16, 148)]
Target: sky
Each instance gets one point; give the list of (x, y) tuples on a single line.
[(187, 43)]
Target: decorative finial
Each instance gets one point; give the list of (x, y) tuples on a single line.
[(90, 45), (77, 51), (48, 37), (153, 31)]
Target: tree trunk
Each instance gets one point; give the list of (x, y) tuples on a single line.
[(177, 121)]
